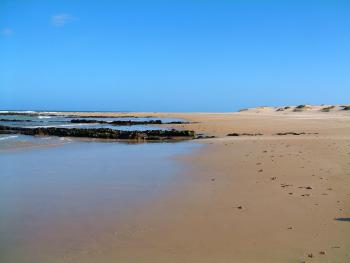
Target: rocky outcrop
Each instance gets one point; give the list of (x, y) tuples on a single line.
[(119, 123), (297, 133), (126, 123), (13, 120), (244, 134), (102, 133), (104, 116), (178, 122), (202, 136), (17, 114)]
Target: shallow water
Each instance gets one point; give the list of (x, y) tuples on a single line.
[(59, 195), (11, 142)]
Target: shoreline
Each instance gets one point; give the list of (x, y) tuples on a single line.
[(265, 198)]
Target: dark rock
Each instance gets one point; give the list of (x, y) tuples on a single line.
[(288, 133), (127, 123), (106, 116), (19, 114), (14, 120), (117, 123), (87, 121), (296, 133), (102, 133), (202, 136), (29, 114), (244, 134), (177, 122)]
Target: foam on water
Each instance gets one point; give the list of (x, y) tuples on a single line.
[(8, 137), (14, 111), (60, 125)]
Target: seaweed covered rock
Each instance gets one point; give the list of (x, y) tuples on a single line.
[(126, 123), (102, 133), (119, 123)]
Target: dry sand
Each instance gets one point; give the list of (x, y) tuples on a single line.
[(262, 198)]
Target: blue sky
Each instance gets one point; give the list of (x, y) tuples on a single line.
[(172, 55)]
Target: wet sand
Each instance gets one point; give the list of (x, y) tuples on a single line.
[(59, 200), (266, 198)]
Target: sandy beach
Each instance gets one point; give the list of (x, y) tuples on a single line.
[(266, 198), (174, 131)]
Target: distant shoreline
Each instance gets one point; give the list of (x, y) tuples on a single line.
[(295, 108)]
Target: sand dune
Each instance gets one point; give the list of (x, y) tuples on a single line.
[(299, 108)]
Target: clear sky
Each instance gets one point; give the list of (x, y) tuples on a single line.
[(173, 55)]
